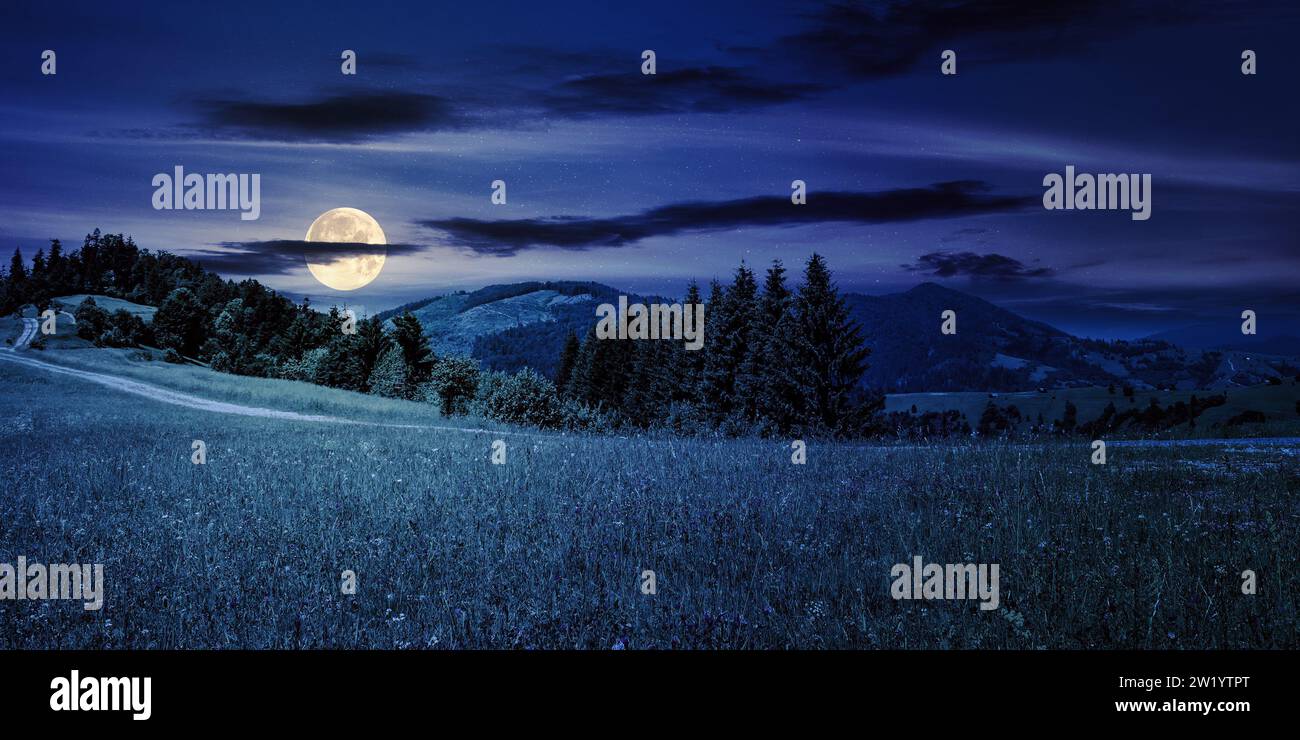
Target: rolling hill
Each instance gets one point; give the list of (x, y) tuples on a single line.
[(524, 324), (997, 350), (1276, 335), (507, 327)]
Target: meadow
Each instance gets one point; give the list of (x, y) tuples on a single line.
[(546, 551), (70, 303)]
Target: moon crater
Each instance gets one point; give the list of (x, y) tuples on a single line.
[(353, 269)]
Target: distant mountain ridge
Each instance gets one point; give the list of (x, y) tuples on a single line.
[(510, 326), (997, 350), (1226, 334)]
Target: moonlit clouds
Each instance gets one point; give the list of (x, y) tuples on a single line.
[(597, 157)]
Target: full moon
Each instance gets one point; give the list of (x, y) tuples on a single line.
[(347, 271)]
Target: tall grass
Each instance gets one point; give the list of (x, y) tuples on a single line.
[(749, 550)]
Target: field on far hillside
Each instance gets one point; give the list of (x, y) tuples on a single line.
[(69, 303), (1276, 402), (547, 550)]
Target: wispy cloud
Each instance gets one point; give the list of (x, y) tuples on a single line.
[(969, 264), (282, 256), (860, 40), (942, 200), (713, 89), (337, 117)]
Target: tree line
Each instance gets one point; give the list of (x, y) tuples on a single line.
[(776, 359)]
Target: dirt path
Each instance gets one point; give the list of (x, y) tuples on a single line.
[(176, 398), (24, 339)]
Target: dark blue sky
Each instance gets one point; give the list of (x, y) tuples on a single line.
[(645, 182)]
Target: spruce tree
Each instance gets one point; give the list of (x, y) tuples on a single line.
[(37, 274), (649, 389), (339, 367), (17, 280), (690, 365), (829, 358), (568, 358), (371, 343), (607, 372), (727, 343), (17, 270), (38, 286), (578, 386), (329, 328), (181, 323), (56, 268), (762, 394), (296, 339), (714, 377), (409, 335)]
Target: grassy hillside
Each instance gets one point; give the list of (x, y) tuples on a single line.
[(509, 327), (283, 395), (65, 330), (750, 551)]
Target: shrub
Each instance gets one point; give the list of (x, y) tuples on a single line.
[(388, 379), (91, 320), (523, 398), (452, 384), (685, 418), (303, 368), (579, 417), (124, 330), (118, 329)]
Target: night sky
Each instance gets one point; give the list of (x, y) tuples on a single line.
[(644, 182)]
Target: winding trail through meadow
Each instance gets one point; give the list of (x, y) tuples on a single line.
[(176, 398)]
